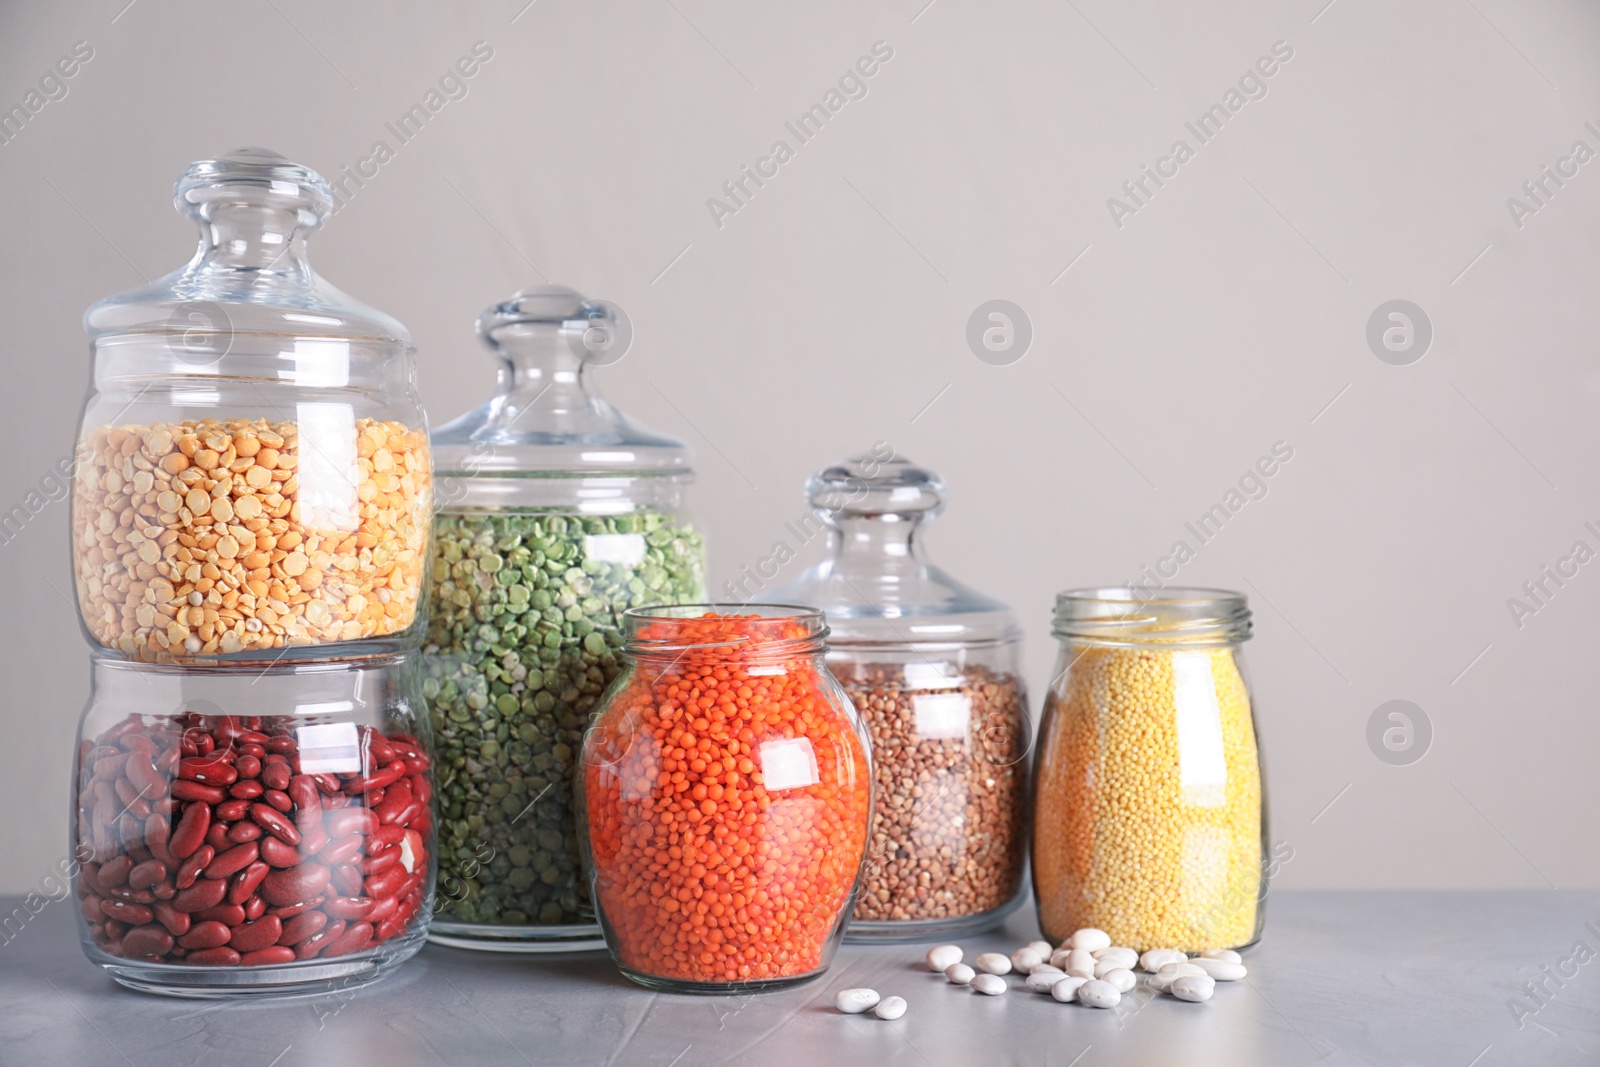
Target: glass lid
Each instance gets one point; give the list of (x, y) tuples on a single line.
[(546, 417), (876, 586), (249, 290)]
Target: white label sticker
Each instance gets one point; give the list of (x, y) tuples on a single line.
[(788, 764), (942, 714), (626, 549), (328, 471), (329, 748)]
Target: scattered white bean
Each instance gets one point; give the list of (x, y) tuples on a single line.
[(1121, 979), (1058, 958), (959, 973), (1193, 987), (1044, 967), (994, 963), (890, 1008), (1042, 979), (1066, 990), (1221, 970), (1162, 980), (1119, 956), (989, 984), (942, 956), (1089, 938), (1026, 959), (1156, 958), (855, 1001), (1098, 994), (1043, 948), (1079, 964), (1222, 954)]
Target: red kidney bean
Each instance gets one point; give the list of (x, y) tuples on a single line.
[(147, 874), (389, 927), (395, 800), (114, 930), (382, 909), (248, 789), (313, 945), (385, 836), (232, 861), (132, 896), (229, 915), (291, 885), (164, 890), (376, 864), (275, 775), (281, 744), (177, 922), (356, 936), (277, 853), (278, 799), (251, 750), (303, 791), (302, 926), (148, 940), (289, 911), (247, 881), (141, 771), (191, 867), (328, 783), (253, 737), (214, 957), (184, 789), (247, 767), (127, 912), (255, 908), (386, 883), (371, 799), (348, 907), (114, 872), (351, 821), (108, 762), (206, 935), (268, 957), (381, 751), (217, 837), (90, 907), (233, 810), (259, 934), (157, 832), (347, 879), (240, 832), (421, 789), (205, 893), (207, 770), (125, 791), (273, 822), (191, 831), (342, 849), (379, 780)]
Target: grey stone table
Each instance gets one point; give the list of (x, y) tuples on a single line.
[(1340, 979)]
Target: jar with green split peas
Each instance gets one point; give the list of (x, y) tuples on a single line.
[(555, 515)]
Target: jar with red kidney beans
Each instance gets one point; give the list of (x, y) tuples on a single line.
[(249, 832)]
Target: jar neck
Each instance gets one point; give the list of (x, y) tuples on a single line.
[(724, 633), (252, 238), (876, 545), (1166, 618)]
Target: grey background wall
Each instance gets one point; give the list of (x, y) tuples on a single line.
[(1175, 341)]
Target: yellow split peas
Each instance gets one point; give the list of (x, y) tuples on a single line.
[(1148, 816)]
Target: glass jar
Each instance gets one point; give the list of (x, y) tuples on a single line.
[(248, 832), (251, 476), (1149, 816), (933, 668), (556, 514), (725, 799)]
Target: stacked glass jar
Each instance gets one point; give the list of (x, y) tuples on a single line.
[(556, 515), (932, 666), (250, 521)]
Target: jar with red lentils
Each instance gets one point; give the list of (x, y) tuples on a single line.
[(240, 832), (1150, 818), (933, 667), (726, 794), (251, 479)]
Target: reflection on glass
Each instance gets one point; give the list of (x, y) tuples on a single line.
[(328, 494), (788, 764), (1202, 764)]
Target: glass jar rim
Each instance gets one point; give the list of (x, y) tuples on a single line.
[(673, 623), (1174, 615)]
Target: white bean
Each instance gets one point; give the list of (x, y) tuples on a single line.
[(1193, 987), (1221, 970), (994, 963), (959, 973), (1079, 963), (989, 984), (1222, 954), (1098, 994), (1118, 955), (855, 1001), (942, 956), (1122, 979), (1156, 958), (1026, 959), (890, 1008), (1044, 967), (1058, 958), (1089, 938), (1043, 948), (1178, 969), (1042, 979), (1066, 990)]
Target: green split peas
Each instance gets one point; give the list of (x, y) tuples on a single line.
[(523, 639)]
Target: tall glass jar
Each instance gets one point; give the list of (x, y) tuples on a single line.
[(247, 832), (933, 669), (1149, 816), (726, 796), (556, 514), (252, 477)]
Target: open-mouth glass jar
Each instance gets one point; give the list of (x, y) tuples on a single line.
[(726, 794), (252, 477), (556, 515), (239, 832), (1149, 814)]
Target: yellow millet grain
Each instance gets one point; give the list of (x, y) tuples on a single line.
[(196, 539), (1156, 842)]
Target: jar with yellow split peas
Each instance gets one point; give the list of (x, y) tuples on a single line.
[(252, 475), (1149, 813)]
